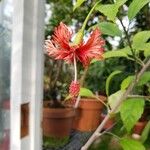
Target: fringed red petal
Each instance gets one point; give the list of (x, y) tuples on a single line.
[(60, 48), (93, 48)]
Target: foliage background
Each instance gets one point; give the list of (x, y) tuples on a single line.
[(62, 10), (56, 80)]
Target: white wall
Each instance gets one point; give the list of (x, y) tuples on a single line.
[(27, 71)]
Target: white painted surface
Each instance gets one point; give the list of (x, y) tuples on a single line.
[(27, 71), (16, 75), (37, 76)]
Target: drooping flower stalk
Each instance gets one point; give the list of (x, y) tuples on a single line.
[(75, 69), (75, 85)]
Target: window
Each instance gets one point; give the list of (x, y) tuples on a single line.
[(5, 59)]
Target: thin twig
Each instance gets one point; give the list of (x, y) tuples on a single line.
[(129, 43), (124, 96), (138, 96), (127, 36), (82, 79), (114, 135), (57, 73)]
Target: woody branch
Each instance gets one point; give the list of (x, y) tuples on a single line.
[(96, 134)]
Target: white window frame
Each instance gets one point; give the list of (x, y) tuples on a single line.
[(27, 71)]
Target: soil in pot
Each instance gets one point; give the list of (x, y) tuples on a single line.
[(87, 114), (57, 123)]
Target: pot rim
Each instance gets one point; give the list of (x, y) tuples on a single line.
[(58, 112)]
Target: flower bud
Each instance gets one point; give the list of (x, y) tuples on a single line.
[(74, 88), (79, 37)]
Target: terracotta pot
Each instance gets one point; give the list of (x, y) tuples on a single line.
[(139, 126), (57, 122), (87, 115), (109, 123)]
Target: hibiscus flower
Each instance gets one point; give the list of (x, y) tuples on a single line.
[(60, 46)]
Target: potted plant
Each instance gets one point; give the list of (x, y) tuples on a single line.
[(88, 112), (60, 47)]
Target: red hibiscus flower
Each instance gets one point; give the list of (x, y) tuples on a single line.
[(60, 46)]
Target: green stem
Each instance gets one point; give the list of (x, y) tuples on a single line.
[(79, 35), (130, 45), (102, 102), (75, 69), (114, 135), (88, 16), (138, 61)]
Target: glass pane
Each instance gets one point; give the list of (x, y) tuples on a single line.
[(5, 51)]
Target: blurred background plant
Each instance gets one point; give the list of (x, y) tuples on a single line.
[(118, 35)]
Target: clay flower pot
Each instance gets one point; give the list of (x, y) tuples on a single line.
[(139, 126), (57, 122), (87, 114)]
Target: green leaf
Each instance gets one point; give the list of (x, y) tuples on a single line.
[(146, 49), (109, 28), (145, 78), (109, 10), (131, 111), (145, 132), (147, 53), (114, 98), (120, 2), (125, 83), (130, 144), (78, 4), (117, 53), (109, 79), (135, 7), (86, 92), (140, 39)]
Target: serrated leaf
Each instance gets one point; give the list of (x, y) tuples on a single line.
[(120, 2), (78, 4), (117, 53), (135, 7), (125, 83), (140, 39), (114, 98), (109, 10), (109, 28), (86, 92), (130, 144), (145, 132), (109, 79), (131, 111)]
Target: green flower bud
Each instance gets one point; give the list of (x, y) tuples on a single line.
[(79, 37)]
